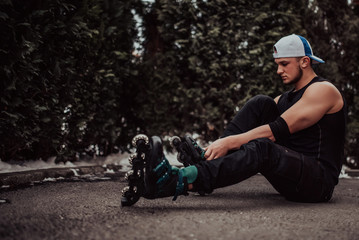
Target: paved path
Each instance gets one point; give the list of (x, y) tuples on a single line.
[(250, 210)]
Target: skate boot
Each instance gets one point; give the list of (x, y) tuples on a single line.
[(162, 179), (135, 177), (189, 153), (151, 175)]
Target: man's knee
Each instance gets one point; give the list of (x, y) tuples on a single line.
[(267, 150), (263, 99), (258, 111), (265, 108)]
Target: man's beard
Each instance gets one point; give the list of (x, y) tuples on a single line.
[(298, 77)]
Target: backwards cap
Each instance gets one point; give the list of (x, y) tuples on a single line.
[(294, 46)]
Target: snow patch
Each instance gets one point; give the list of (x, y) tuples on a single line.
[(119, 159), (4, 201), (20, 166), (75, 172), (344, 174), (109, 171), (52, 179)]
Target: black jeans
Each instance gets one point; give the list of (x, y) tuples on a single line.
[(295, 176)]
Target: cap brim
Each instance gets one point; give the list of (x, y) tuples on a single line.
[(316, 59)]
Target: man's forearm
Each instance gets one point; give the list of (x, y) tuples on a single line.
[(236, 141), (221, 146)]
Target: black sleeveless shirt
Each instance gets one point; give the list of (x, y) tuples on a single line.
[(323, 141)]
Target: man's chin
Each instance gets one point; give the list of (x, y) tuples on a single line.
[(286, 82), (290, 81)]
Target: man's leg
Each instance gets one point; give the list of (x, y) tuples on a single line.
[(297, 178), (160, 180), (300, 178), (258, 111), (294, 176)]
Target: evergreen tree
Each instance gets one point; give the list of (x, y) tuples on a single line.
[(206, 58), (334, 28)]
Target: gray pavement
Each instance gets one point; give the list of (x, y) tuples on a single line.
[(89, 208), (13, 180)]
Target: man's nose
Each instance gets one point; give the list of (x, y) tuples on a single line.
[(279, 70)]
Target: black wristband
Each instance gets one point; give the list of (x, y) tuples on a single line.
[(279, 129)]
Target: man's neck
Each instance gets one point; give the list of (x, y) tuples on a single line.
[(304, 80)]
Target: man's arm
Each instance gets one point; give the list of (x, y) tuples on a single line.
[(319, 99), (221, 146)]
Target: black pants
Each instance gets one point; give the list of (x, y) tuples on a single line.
[(295, 176)]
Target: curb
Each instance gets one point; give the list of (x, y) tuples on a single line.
[(352, 172), (27, 178)]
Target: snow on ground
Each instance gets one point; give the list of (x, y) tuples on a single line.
[(113, 159), (344, 174)]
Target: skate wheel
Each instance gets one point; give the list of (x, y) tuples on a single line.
[(132, 156), (175, 141), (128, 174), (129, 196), (138, 138), (126, 190), (131, 173)]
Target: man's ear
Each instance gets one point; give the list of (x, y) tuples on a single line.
[(305, 62)]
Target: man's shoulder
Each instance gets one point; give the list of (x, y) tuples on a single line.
[(323, 86), (323, 82), (325, 91)]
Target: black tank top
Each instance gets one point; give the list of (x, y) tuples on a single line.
[(324, 140)]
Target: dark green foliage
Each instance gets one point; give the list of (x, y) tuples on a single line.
[(205, 59), (211, 57), (334, 28), (66, 77), (70, 83)]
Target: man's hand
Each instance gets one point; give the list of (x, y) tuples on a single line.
[(220, 147), (217, 149)]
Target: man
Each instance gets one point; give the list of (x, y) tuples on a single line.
[(296, 140)]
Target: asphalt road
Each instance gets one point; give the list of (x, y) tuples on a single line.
[(250, 210)]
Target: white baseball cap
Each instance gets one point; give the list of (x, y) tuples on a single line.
[(294, 46)]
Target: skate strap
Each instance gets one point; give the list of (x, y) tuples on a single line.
[(180, 185), (200, 150), (162, 168), (163, 172)]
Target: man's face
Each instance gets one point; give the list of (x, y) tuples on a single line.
[(289, 70)]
